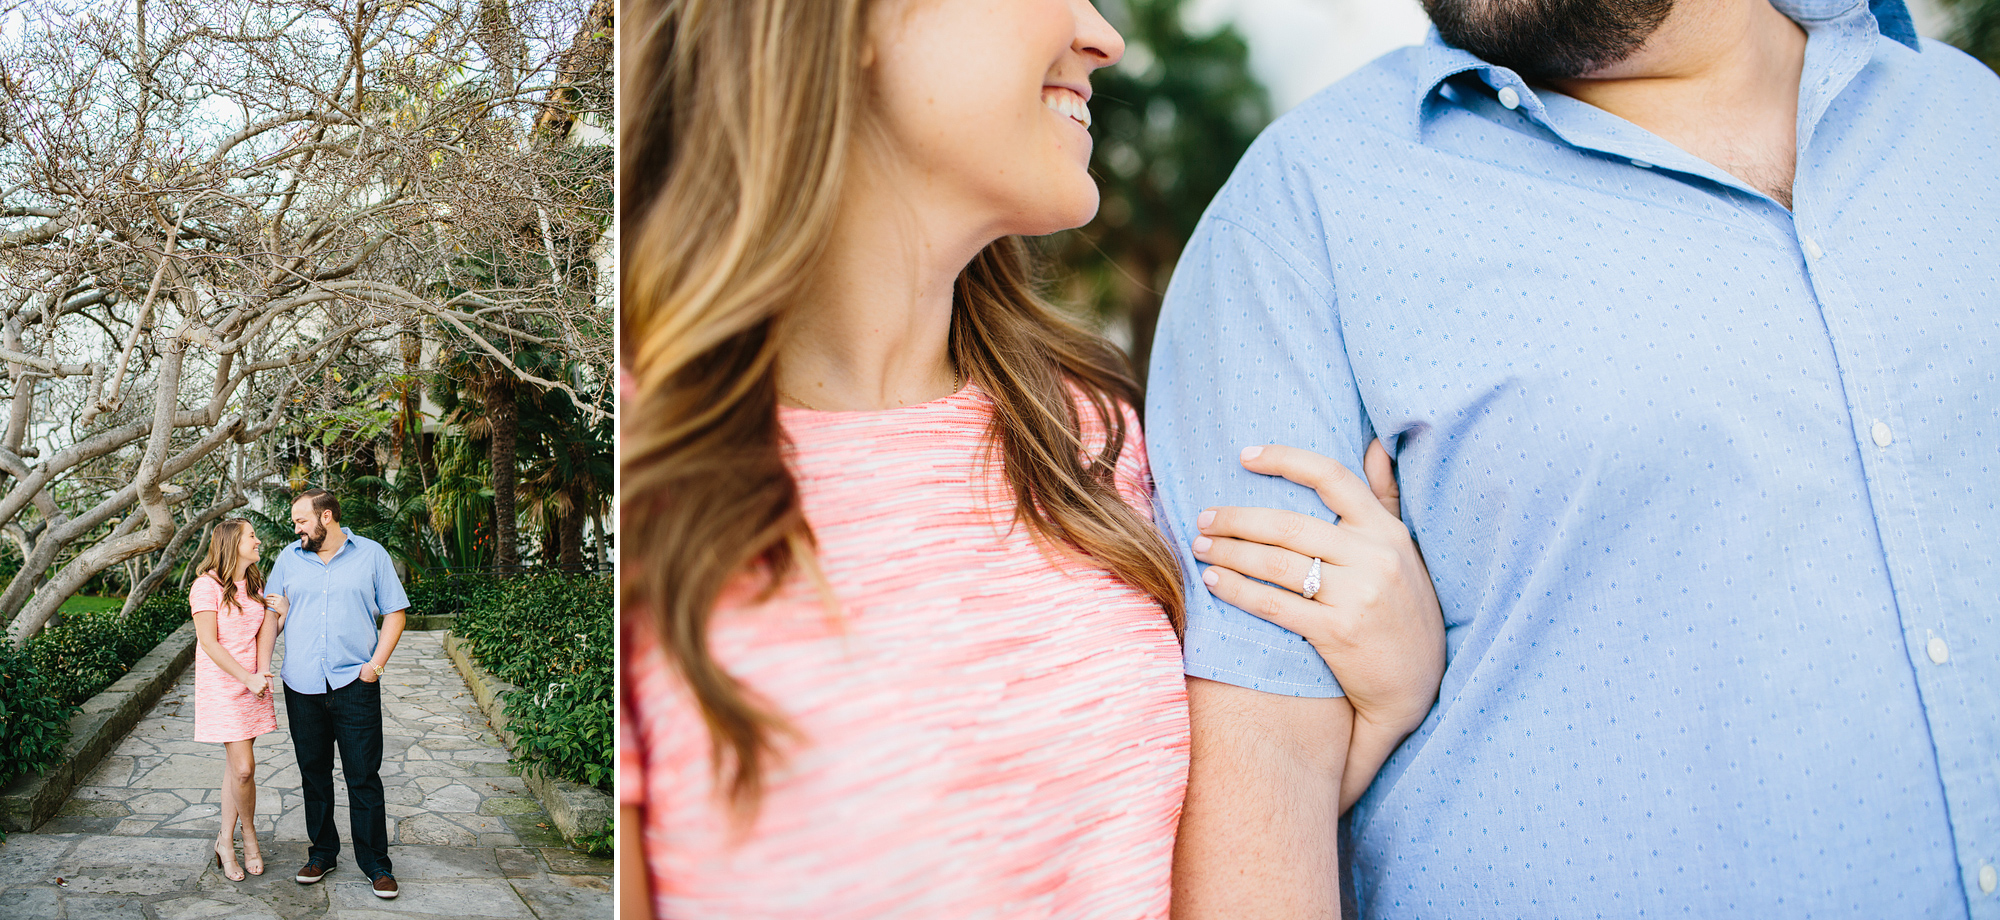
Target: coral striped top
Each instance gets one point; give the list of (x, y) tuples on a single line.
[(989, 733)]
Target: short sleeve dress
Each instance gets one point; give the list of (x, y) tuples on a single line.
[(224, 709), (991, 730)]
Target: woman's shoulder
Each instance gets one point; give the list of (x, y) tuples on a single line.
[(205, 592)]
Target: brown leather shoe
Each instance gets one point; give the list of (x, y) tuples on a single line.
[(385, 886), (311, 872)]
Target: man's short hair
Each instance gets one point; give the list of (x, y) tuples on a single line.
[(322, 500)]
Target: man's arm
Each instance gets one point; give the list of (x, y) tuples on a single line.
[(389, 596), (385, 644), (1259, 832)]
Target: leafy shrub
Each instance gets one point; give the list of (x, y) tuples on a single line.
[(445, 594), (550, 635), (89, 651), (42, 683), (34, 721)]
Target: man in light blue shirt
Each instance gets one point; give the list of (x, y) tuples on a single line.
[(1682, 319), (337, 585)]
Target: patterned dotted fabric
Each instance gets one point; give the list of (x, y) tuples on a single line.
[(224, 709), (1707, 487), (990, 732)]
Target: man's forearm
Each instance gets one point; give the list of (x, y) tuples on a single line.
[(1259, 831), (385, 642)]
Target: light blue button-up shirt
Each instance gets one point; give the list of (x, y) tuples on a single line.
[(1710, 489), (330, 631)]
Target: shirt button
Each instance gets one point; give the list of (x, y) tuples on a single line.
[(1989, 878), (1510, 98), (1881, 433), (1812, 249), (1939, 652), (1642, 164)]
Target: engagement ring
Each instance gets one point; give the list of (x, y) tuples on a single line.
[(1311, 586)]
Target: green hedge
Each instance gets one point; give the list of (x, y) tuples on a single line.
[(441, 594), (42, 684), (549, 635), (34, 723), (90, 651)]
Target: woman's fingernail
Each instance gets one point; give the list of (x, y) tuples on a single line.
[(1209, 578), (1250, 453), (1201, 544), (1204, 519)]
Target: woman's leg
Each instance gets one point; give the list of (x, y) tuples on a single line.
[(225, 836), (244, 771)]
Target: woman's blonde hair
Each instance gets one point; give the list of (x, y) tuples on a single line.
[(739, 117), (224, 542)]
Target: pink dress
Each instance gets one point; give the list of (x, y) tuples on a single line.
[(990, 732), (224, 709)]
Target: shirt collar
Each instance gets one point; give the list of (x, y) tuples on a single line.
[(1439, 62)]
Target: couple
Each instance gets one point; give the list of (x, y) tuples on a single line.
[(325, 593), (1677, 317)]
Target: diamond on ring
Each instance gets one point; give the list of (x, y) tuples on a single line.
[(1311, 587)]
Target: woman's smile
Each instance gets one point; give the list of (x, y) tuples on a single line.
[(1069, 102)]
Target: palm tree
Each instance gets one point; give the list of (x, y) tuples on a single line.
[(567, 479)]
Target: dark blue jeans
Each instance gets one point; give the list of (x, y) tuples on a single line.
[(349, 718)]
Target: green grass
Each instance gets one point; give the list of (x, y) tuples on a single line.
[(82, 604)]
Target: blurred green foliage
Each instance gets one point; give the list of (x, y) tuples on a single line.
[(1169, 121), (1976, 28)]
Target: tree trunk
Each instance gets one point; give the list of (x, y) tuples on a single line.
[(571, 527), (503, 415)]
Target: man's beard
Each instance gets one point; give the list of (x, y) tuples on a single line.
[(313, 541), (1548, 39)]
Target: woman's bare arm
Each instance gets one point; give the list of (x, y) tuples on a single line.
[(635, 899)]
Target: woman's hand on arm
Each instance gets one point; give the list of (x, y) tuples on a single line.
[(267, 643), (1375, 617), (281, 605)]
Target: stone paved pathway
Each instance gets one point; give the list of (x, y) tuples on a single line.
[(466, 837)]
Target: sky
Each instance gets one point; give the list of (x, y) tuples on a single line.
[(1298, 47)]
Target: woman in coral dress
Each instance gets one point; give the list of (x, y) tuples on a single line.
[(232, 679)]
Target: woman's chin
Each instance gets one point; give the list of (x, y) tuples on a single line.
[(1054, 216)]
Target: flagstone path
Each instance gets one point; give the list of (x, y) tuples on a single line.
[(466, 837)]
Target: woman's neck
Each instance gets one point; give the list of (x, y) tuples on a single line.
[(875, 330)]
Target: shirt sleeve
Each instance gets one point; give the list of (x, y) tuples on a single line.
[(389, 596), (1249, 351), (204, 594)]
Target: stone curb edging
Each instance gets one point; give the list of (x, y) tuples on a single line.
[(33, 798), (427, 622), (576, 809)]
